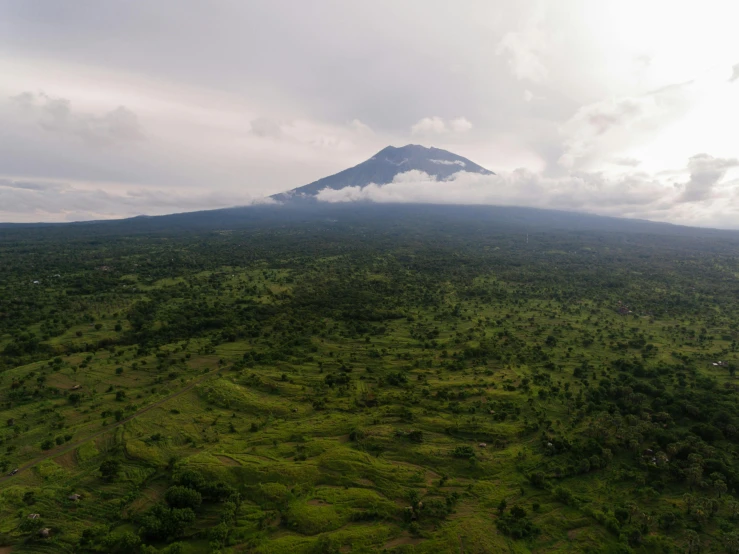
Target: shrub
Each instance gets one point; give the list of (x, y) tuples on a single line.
[(463, 452), (183, 497), (515, 524), (109, 469)]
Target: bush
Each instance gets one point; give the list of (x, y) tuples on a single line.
[(463, 452), (191, 479), (109, 469), (183, 497), (123, 542), (161, 522), (565, 496), (515, 524), (356, 434)]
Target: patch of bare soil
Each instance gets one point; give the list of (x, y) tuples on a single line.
[(225, 460), (68, 460), (403, 540)]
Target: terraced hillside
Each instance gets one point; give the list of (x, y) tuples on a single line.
[(323, 388)]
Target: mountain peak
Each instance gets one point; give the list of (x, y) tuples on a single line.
[(382, 168)]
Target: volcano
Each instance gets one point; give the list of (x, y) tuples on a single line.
[(382, 168)]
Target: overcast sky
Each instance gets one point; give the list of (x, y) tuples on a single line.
[(623, 107)]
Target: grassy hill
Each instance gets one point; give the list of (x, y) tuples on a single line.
[(364, 385)]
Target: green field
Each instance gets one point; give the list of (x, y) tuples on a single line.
[(366, 389)]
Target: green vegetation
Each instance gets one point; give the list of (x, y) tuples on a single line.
[(329, 387)]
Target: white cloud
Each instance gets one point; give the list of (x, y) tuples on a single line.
[(636, 194), (265, 127), (616, 123), (525, 50), (55, 114), (449, 162), (539, 85), (626, 161), (705, 173), (437, 126), (734, 73), (360, 127), (460, 125), (311, 133), (52, 200), (429, 125), (520, 187)]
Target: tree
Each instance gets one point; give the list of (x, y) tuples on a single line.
[(693, 542), (191, 479), (694, 474), (622, 515), (731, 542), (122, 542), (183, 497), (162, 522), (109, 469), (718, 482)]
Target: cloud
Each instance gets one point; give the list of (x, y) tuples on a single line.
[(460, 125), (55, 115), (635, 194), (628, 162), (705, 173), (361, 128), (614, 123), (520, 187), (265, 127), (25, 185), (429, 125), (734, 73), (449, 162), (25, 101), (524, 50), (436, 125), (310, 133), (228, 114), (26, 201)]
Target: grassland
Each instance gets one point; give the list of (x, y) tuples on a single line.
[(414, 396)]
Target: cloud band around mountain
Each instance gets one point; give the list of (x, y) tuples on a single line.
[(640, 195)]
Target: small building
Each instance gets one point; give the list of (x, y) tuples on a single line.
[(482, 445), (33, 516), (45, 532), (74, 497)]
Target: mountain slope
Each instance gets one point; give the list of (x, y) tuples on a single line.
[(386, 164)]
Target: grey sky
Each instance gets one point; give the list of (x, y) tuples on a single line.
[(118, 108)]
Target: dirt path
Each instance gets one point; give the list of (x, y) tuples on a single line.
[(68, 447)]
